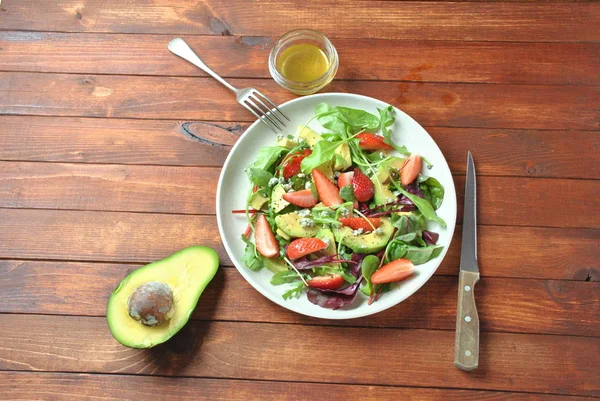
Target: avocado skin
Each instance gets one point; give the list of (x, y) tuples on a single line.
[(187, 272)]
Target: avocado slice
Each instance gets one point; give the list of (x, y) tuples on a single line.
[(282, 234), (346, 161), (179, 278), (381, 183), (290, 224), (276, 265), (258, 200), (310, 136), (286, 143), (366, 243), (277, 201)]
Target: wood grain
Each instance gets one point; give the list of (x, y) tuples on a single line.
[(371, 19), (550, 253), (563, 365), (90, 140), (192, 190), (246, 56), (505, 305), (432, 104), (86, 387)]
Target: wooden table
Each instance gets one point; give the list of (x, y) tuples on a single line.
[(99, 175)]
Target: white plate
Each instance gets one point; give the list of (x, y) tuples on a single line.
[(234, 186)]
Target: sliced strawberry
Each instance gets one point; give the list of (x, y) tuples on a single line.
[(372, 142), (330, 282), (304, 246), (345, 179), (397, 270), (291, 164), (328, 192), (356, 223), (266, 244), (411, 169), (304, 198), (363, 186)]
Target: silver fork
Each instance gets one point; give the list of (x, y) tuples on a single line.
[(250, 98)]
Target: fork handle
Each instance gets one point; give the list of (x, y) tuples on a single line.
[(180, 48)]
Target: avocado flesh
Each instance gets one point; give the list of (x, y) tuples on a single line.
[(289, 223), (276, 264), (369, 242), (383, 194), (277, 201), (186, 272)]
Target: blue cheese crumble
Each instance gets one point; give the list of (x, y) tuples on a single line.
[(304, 222)]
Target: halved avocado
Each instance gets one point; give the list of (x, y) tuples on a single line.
[(160, 296), (366, 243)]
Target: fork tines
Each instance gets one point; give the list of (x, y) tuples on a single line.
[(271, 117)]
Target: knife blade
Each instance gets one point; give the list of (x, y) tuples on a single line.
[(466, 348)]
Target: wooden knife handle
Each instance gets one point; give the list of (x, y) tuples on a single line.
[(466, 349)]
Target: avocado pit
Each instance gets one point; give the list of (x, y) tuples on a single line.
[(151, 303)]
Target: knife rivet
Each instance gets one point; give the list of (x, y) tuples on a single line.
[(467, 288), (468, 353), (467, 319)]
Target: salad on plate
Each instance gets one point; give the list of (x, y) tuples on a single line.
[(341, 211)]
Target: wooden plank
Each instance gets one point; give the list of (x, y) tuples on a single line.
[(505, 305), (90, 140), (432, 104), (246, 56), (141, 237), (562, 365), (370, 19), (192, 190), (86, 387)]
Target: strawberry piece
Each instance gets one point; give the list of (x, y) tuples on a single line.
[(304, 198), (345, 179), (291, 164), (372, 142), (356, 223), (411, 169), (266, 244), (397, 270), (330, 282), (363, 186), (304, 246), (328, 192)]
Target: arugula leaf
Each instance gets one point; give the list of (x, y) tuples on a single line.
[(432, 190), (347, 193), (295, 291), (259, 176), (387, 120), (267, 156), (369, 266), (323, 151), (286, 276), (424, 206), (252, 259)]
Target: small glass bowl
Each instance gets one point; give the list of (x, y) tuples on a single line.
[(300, 36)]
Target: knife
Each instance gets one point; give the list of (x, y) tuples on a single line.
[(466, 348)]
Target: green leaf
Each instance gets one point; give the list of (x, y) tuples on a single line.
[(424, 206), (323, 151), (286, 276), (259, 177), (347, 193), (369, 266), (345, 119), (295, 291), (324, 215), (252, 259), (387, 120), (267, 156), (432, 190)]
